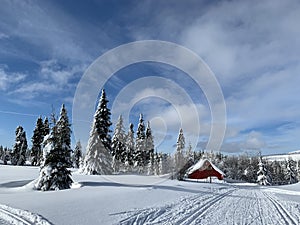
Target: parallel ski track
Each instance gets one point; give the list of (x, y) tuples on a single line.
[(17, 219), (286, 216), (187, 211), (200, 210)]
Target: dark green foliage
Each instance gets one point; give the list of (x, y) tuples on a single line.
[(46, 127), (18, 156), (103, 123), (64, 134), (77, 155), (118, 147), (140, 145), (54, 174), (290, 171), (37, 140), (149, 144)]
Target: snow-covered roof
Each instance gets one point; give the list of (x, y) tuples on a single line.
[(200, 164)]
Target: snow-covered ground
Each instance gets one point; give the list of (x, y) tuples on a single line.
[(295, 155), (131, 199)]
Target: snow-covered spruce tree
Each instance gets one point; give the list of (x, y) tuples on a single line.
[(179, 154), (18, 155), (64, 134), (278, 173), (54, 174), (149, 144), (129, 149), (140, 146), (290, 171), (118, 147), (37, 140), (46, 126), (77, 155), (263, 176), (103, 122), (98, 159)]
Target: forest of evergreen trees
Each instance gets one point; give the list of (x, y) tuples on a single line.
[(126, 152)]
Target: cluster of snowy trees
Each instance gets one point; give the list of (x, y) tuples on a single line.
[(255, 169), (126, 153), (123, 152), (5, 154), (21, 153)]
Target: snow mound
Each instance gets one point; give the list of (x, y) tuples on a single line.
[(18, 216)]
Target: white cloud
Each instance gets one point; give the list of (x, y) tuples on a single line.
[(52, 71), (255, 36), (50, 30), (8, 79), (53, 79)]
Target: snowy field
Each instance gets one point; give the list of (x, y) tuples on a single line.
[(131, 199)]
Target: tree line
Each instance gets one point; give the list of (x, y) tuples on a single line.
[(126, 152)]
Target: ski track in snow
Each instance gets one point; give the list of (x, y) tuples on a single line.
[(10, 215), (222, 206)]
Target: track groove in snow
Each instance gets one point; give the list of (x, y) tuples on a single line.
[(230, 206), (20, 217), (289, 220), (12, 218), (186, 211)]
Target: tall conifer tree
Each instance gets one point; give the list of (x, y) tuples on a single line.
[(98, 159), (20, 148), (64, 134), (140, 145), (37, 140)]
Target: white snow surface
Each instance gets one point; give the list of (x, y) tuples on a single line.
[(132, 199), (295, 155)]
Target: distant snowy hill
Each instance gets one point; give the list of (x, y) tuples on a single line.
[(295, 155)]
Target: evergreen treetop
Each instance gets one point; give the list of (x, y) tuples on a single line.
[(102, 121)]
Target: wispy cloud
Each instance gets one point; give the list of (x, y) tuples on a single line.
[(53, 78), (8, 79)]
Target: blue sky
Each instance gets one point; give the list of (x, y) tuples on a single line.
[(252, 47)]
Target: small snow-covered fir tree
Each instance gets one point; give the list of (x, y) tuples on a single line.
[(77, 155), (290, 171), (118, 147), (54, 174), (140, 146), (129, 148), (149, 144), (37, 140), (263, 176), (179, 154), (18, 156), (64, 134), (98, 159)]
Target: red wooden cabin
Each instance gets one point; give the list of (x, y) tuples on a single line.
[(204, 169)]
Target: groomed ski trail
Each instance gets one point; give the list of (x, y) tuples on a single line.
[(230, 205), (10, 215)]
